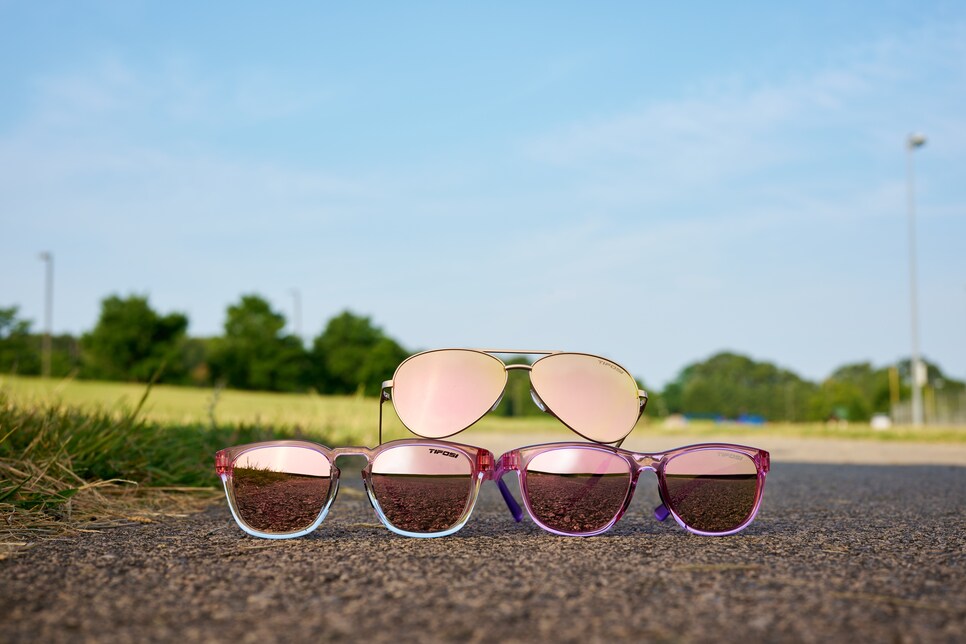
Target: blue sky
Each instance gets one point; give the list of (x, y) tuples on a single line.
[(646, 182)]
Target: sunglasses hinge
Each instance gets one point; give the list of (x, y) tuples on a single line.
[(511, 461), (222, 463), (764, 462), (484, 461)]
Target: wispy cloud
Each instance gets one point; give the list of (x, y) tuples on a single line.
[(664, 150), (668, 151), (173, 90)]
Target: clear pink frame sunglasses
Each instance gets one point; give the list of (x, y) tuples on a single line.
[(441, 392), (428, 488), (418, 488)]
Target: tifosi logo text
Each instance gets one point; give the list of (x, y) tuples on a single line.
[(608, 364), (443, 453), (731, 455)]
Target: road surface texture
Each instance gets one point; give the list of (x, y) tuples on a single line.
[(840, 552)]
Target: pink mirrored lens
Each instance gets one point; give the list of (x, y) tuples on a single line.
[(439, 393), (595, 397), (281, 489), (422, 488), (577, 490), (712, 490)]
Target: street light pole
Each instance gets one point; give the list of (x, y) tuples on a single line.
[(915, 366), (48, 259)]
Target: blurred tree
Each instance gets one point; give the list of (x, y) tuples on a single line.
[(673, 395), (66, 357), (193, 357), (729, 385), (934, 377), (839, 400), (871, 383), (380, 364), (517, 400), (17, 351), (131, 341), (253, 353), (353, 356), (656, 403)]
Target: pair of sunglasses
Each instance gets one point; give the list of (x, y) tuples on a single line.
[(428, 488), (441, 392)]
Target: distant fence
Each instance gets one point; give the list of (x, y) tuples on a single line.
[(939, 408)]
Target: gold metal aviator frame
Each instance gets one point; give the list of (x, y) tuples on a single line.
[(441, 392)]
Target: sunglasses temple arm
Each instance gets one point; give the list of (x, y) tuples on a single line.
[(662, 512), (511, 503), (507, 463)]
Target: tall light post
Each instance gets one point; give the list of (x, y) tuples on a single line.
[(48, 259), (915, 367)]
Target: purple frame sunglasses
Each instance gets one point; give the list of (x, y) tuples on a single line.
[(428, 488), (711, 489)]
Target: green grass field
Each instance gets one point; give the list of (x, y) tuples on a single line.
[(335, 420), (343, 420)]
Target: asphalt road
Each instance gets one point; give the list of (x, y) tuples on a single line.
[(838, 552)]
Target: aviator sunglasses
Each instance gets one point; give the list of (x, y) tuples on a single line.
[(428, 488), (441, 392)]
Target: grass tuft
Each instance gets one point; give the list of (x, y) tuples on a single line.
[(65, 469)]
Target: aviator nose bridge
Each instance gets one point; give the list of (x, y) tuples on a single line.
[(533, 392)]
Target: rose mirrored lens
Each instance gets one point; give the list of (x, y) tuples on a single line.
[(439, 393), (595, 397), (422, 488), (712, 490), (281, 489), (577, 490)]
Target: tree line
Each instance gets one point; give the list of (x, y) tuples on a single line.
[(733, 386), (133, 342)]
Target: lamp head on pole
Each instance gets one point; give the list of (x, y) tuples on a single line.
[(916, 141)]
